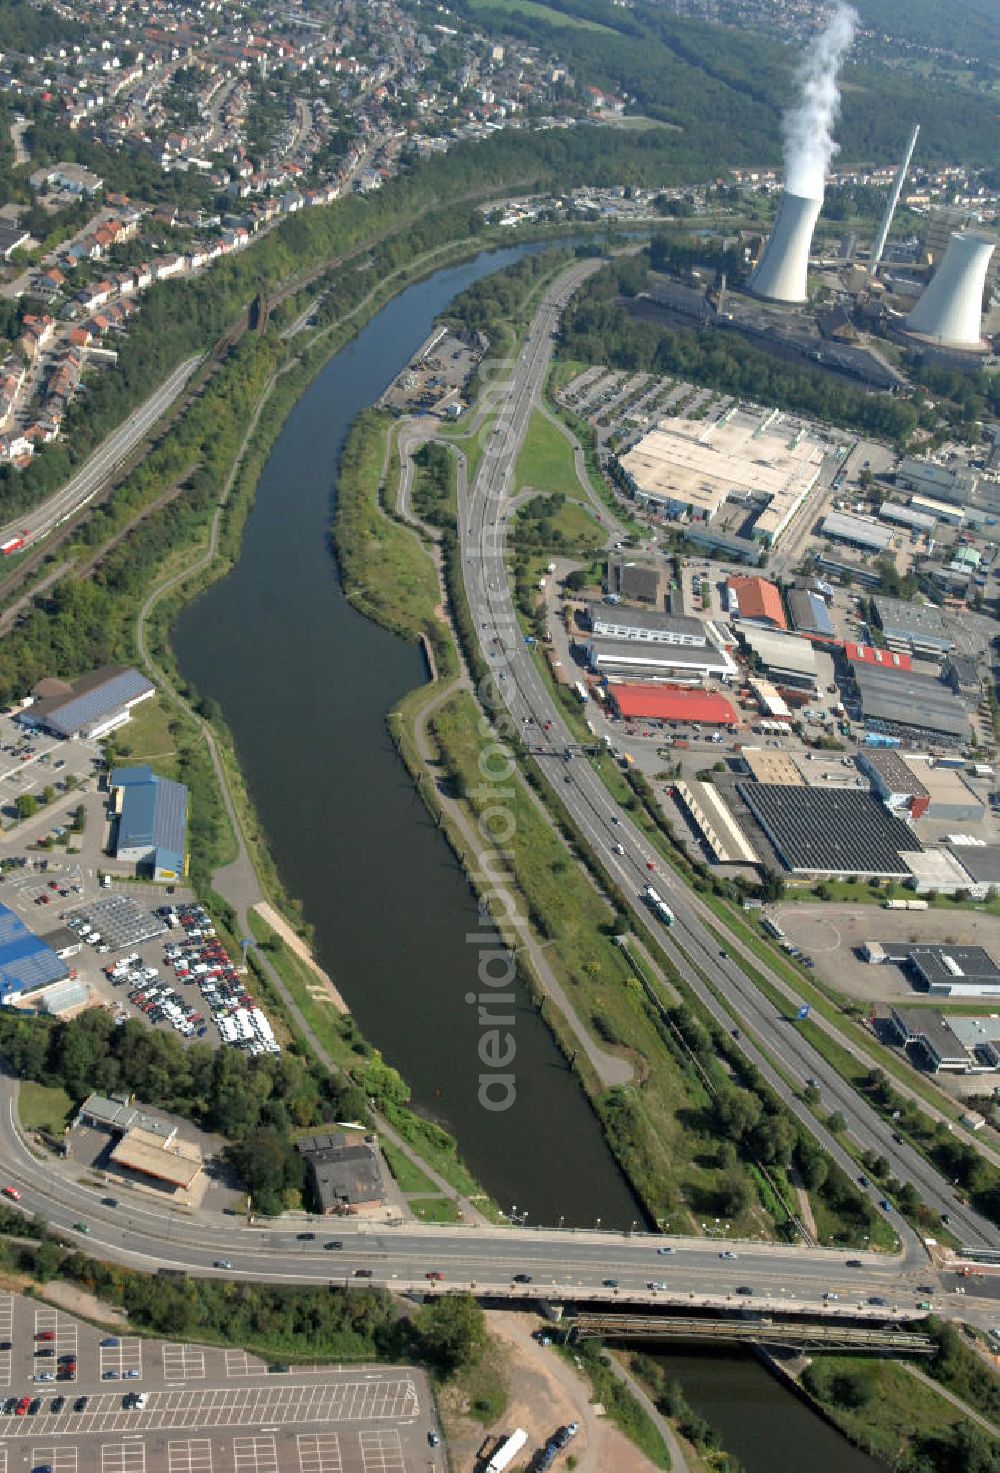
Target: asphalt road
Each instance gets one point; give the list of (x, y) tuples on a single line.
[(732, 999), (105, 460)]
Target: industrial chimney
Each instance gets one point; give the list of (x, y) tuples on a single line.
[(950, 310), (781, 272)]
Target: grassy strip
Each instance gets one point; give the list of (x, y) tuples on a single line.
[(44, 1107), (619, 1404), (959, 1368), (585, 434), (388, 574), (651, 1124), (889, 1413), (545, 460), (856, 892), (434, 1209), (407, 1176)]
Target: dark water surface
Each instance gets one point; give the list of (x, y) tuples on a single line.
[(759, 1419), (305, 684)]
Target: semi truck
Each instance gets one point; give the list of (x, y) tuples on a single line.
[(906, 904), (507, 1451), (658, 905)]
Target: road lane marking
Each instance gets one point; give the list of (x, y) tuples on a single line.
[(255, 1455), (186, 1362), (192, 1456), (59, 1459)]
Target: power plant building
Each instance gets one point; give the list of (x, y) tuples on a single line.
[(950, 310), (782, 272)]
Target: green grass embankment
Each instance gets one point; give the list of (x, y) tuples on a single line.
[(620, 1405), (43, 1107), (897, 1417), (656, 1126), (387, 573)]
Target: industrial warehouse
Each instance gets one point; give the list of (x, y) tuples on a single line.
[(752, 463), (90, 707), (832, 832), (150, 821)]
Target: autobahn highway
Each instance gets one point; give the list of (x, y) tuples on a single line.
[(771, 1042), (88, 481)]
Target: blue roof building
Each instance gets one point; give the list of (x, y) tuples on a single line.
[(152, 821), (810, 613), (89, 707), (26, 963)]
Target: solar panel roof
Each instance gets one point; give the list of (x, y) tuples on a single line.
[(99, 700), (830, 831), (25, 961)]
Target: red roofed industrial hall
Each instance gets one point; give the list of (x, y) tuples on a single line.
[(670, 703), (758, 600), (868, 654)]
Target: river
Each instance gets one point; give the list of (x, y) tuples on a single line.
[(758, 1418), (305, 683)]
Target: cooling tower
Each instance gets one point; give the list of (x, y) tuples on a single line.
[(781, 273), (950, 310)]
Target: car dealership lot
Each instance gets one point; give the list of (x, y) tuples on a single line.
[(205, 1409)]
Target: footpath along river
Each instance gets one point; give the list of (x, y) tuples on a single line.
[(305, 684)]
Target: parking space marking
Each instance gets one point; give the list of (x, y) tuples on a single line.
[(319, 1452), (381, 1451), (61, 1336), (184, 1362), (58, 1457), (194, 1456), (237, 1363), (255, 1455), (122, 1358), (123, 1457), (6, 1336), (3, 1460), (378, 1399)]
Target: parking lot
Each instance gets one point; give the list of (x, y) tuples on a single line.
[(196, 1409), (834, 933), (31, 762)]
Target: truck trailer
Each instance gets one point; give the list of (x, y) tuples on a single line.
[(507, 1451)]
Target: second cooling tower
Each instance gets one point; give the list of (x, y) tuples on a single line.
[(781, 273), (950, 310)]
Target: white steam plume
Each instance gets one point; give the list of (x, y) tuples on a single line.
[(808, 128)]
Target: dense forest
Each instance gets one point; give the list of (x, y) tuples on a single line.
[(730, 86)]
